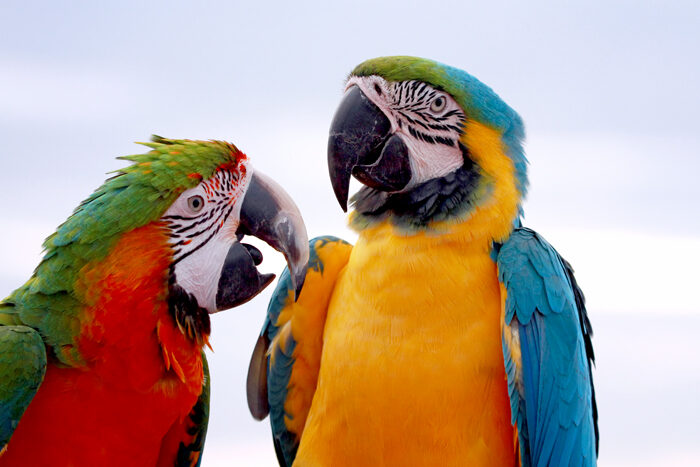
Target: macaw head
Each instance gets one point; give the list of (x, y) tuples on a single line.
[(174, 218), (430, 143)]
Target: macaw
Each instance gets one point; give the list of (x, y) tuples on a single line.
[(101, 350), (448, 334)]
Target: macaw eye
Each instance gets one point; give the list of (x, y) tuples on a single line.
[(438, 105), (195, 203)]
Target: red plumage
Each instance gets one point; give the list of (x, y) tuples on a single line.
[(141, 378)]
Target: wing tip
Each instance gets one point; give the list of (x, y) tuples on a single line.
[(256, 382)]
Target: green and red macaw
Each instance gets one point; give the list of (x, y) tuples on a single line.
[(101, 351), (448, 334)]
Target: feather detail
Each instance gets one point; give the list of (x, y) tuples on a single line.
[(294, 331), (177, 368), (166, 358), (180, 327), (205, 338), (545, 348)]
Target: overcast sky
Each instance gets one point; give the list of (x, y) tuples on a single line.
[(608, 91)]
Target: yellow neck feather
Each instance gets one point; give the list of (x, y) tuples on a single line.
[(490, 221)]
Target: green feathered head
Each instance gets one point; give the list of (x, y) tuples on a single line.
[(186, 203), (142, 192)]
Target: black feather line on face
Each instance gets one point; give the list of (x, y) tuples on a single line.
[(414, 86), (219, 224), (205, 217), (432, 139), (412, 111)]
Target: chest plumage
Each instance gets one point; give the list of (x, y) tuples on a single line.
[(410, 353), (412, 358), (140, 376)]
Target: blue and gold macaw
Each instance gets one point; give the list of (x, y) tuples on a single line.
[(449, 334)]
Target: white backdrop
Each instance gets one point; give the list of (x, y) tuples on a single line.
[(608, 91)]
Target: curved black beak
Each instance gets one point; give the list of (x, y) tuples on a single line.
[(360, 144), (269, 214), (240, 280), (358, 131)]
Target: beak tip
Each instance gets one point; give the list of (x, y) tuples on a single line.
[(298, 279), (265, 279), (341, 189), (271, 215), (358, 132)]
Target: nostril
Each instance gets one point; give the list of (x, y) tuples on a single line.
[(254, 253)]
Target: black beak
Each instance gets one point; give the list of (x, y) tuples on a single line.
[(240, 280), (269, 214), (360, 144)]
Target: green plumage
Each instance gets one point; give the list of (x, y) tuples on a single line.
[(22, 368), (198, 423), (476, 99), (137, 195), (404, 68)]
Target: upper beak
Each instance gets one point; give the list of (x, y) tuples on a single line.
[(269, 214), (360, 144)]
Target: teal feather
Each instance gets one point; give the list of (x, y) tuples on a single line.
[(552, 398), (279, 373)]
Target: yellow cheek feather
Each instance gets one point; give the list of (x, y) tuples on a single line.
[(493, 219)]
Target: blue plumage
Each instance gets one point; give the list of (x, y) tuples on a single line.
[(490, 109), (473, 203), (279, 372), (551, 386)]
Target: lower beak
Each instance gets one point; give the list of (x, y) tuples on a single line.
[(269, 214), (360, 144), (240, 280)]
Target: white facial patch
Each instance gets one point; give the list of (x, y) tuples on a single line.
[(429, 121), (202, 234)]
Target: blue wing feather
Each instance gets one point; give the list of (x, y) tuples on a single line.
[(552, 400), (279, 373)]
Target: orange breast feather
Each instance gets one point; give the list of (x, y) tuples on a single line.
[(142, 375)]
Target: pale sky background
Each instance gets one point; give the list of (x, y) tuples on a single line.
[(608, 91)]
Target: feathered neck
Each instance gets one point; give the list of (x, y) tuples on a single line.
[(451, 197)]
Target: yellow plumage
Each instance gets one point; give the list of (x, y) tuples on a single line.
[(411, 368)]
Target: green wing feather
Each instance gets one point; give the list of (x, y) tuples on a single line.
[(190, 454), (51, 300), (182, 446), (22, 369)]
